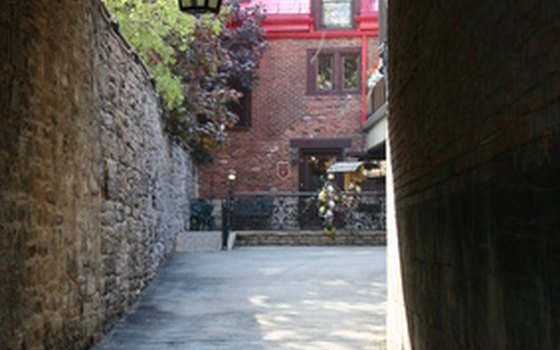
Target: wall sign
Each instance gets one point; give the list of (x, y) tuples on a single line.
[(283, 169)]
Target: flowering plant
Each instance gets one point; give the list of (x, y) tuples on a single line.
[(328, 201), (331, 201)]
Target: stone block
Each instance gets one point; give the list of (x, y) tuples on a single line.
[(198, 241)]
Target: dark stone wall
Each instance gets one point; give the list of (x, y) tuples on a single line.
[(91, 190), (475, 138)]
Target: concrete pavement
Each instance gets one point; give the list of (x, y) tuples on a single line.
[(330, 298)]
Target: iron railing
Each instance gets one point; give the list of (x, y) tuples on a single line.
[(292, 211)]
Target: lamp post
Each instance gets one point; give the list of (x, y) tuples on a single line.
[(200, 6), (228, 208)]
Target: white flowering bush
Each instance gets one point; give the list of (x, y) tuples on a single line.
[(327, 202), (332, 202)]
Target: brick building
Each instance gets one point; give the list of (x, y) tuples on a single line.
[(309, 107)]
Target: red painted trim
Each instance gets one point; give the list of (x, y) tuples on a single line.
[(370, 16), (367, 17), (288, 23), (302, 26), (287, 19), (368, 22), (283, 31), (318, 35), (364, 79)]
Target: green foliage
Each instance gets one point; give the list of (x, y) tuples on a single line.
[(156, 29), (195, 62)]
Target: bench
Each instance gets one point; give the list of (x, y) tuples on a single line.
[(201, 215)]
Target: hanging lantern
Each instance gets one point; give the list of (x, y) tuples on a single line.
[(200, 6)]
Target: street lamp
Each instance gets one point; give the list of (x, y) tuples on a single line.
[(226, 227), (200, 6), (231, 176)]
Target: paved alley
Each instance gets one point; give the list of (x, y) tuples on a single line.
[(261, 298)]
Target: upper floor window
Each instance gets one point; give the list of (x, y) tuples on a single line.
[(325, 76), (242, 108), (350, 72), (335, 14), (333, 71)]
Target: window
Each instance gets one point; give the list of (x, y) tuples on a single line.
[(325, 79), (335, 14), (334, 71), (242, 109), (350, 74)]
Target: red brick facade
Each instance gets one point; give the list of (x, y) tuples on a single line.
[(282, 110)]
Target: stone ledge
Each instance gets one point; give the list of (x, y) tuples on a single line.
[(198, 241), (309, 238)]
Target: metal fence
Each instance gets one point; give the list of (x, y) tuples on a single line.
[(292, 211)]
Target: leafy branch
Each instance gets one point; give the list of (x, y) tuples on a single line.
[(201, 64)]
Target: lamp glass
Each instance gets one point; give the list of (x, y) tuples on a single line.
[(231, 175)]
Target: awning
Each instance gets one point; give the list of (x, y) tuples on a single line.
[(344, 167)]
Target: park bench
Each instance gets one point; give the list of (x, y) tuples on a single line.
[(201, 215)]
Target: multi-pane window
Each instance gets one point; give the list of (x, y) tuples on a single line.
[(350, 74), (324, 75), (336, 13), (334, 71)]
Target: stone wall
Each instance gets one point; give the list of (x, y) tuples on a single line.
[(309, 238), (92, 191), (475, 141)]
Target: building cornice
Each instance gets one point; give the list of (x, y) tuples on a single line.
[(301, 26)]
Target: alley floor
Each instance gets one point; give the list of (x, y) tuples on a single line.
[(261, 298)]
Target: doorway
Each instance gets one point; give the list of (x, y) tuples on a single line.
[(312, 173), (313, 167)]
